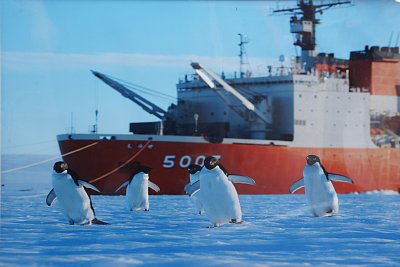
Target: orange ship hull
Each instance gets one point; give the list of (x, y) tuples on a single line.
[(273, 167)]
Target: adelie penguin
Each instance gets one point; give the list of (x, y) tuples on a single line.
[(319, 190), (74, 201), (217, 193), (137, 193)]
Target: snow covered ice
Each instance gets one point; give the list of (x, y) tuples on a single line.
[(278, 230)]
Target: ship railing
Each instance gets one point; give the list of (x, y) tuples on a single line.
[(268, 72)]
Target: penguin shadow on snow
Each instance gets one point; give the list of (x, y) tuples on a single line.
[(214, 192), (73, 199), (319, 190), (137, 193)]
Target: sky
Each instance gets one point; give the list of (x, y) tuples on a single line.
[(49, 47)]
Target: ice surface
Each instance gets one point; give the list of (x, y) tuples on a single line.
[(278, 230)]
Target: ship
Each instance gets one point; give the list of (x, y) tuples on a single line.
[(346, 111)]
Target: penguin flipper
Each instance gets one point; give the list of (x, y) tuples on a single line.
[(88, 185), (51, 197), (154, 186), (239, 179), (339, 178), (296, 185), (97, 221), (187, 187), (192, 189), (121, 186)]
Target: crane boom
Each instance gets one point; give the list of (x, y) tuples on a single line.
[(142, 102), (202, 71)]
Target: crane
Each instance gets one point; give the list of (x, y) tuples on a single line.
[(142, 102), (204, 74)]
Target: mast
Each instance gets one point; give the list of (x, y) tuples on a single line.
[(243, 41), (304, 27)]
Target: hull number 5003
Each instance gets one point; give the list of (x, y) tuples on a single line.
[(171, 160)]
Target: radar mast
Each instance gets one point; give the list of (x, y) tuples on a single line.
[(302, 23)]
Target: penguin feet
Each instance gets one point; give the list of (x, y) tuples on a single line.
[(146, 209), (71, 222), (329, 213), (235, 221)]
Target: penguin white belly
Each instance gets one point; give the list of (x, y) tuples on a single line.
[(196, 198), (320, 193), (220, 199), (73, 201), (137, 194)]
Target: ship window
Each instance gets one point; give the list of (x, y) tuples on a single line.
[(225, 113), (315, 96), (300, 122), (212, 113), (299, 95)]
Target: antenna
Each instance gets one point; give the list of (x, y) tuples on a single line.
[(95, 129), (72, 123), (243, 41), (281, 60)]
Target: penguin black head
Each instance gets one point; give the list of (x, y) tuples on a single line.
[(193, 168), (211, 162), (140, 168), (312, 159), (60, 166), (145, 169)]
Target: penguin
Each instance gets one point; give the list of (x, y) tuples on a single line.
[(137, 193), (319, 190), (194, 172), (219, 197), (75, 203)]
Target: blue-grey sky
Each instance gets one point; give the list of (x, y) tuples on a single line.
[(49, 47)]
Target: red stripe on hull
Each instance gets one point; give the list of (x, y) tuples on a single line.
[(274, 168)]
